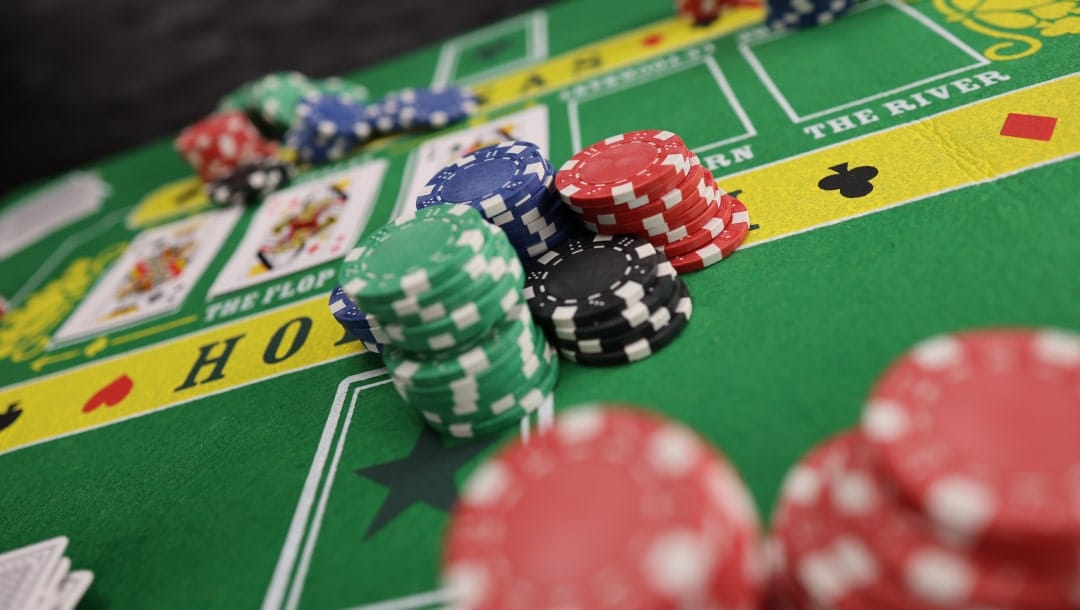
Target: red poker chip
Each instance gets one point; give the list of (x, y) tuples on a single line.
[(703, 234), (980, 431), (930, 568), (595, 514), (659, 224), (218, 144), (688, 228), (697, 183), (721, 247), (825, 567), (628, 169)]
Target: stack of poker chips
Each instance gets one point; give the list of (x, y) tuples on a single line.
[(218, 144), (649, 183), (959, 489), (605, 300), (327, 127), (510, 185), (427, 109), (441, 290), (615, 508), (274, 100)]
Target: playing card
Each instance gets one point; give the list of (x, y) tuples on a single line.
[(530, 125), (69, 199), (304, 225), (73, 587), (24, 571), (49, 591), (154, 275)]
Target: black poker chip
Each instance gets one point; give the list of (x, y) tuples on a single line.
[(657, 295), (639, 348), (654, 320), (590, 278), (250, 182)]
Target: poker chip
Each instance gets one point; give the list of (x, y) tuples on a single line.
[(703, 12), (439, 292), (412, 253), (799, 14), (624, 169), (354, 321), (435, 107), (941, 499), (422, 108), (216, 145), (274, 99), (979, 482), (612, 491), (327, 127), (656, 334), (657, 295), (721, 246), (653, 321), (647, 183), (250, 182), (589, 278), (605, 300), (510, 185)]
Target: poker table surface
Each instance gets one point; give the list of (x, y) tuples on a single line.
[(910, 169)]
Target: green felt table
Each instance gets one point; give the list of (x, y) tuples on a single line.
[(236, 450)]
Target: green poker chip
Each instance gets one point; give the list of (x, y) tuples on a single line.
[(411, 254), (463, 323), (479, 398)]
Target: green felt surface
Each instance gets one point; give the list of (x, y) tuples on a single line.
[(189, 507)]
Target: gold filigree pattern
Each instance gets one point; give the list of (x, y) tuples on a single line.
[(1012, 21)]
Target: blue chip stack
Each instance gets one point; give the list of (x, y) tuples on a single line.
[(356, 322), (328, 127), (511, 185), (798, 14), (432, 108)]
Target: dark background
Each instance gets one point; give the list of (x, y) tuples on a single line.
[(80, 79)]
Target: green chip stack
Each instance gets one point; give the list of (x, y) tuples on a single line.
[(443, 289)]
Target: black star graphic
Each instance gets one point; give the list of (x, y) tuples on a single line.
[(425, 475)]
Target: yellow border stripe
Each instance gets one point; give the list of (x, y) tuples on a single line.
[(951, 150)]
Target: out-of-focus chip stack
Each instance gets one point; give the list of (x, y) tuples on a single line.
[(961, 488)]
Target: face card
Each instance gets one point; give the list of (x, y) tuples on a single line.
[(154, 275), (24, 571), (530, 125), (304, 225), (73, 587)]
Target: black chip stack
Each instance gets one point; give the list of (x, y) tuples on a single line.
[(605, 300)]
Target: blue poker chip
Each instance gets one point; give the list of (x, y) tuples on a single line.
[(489, 180), (328, 127), (349, 316), (435, 107), (799, 14), (384, 114)]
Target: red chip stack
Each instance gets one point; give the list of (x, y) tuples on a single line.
[(218, 144), (614, 508), (648, 183), (961, 489)]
